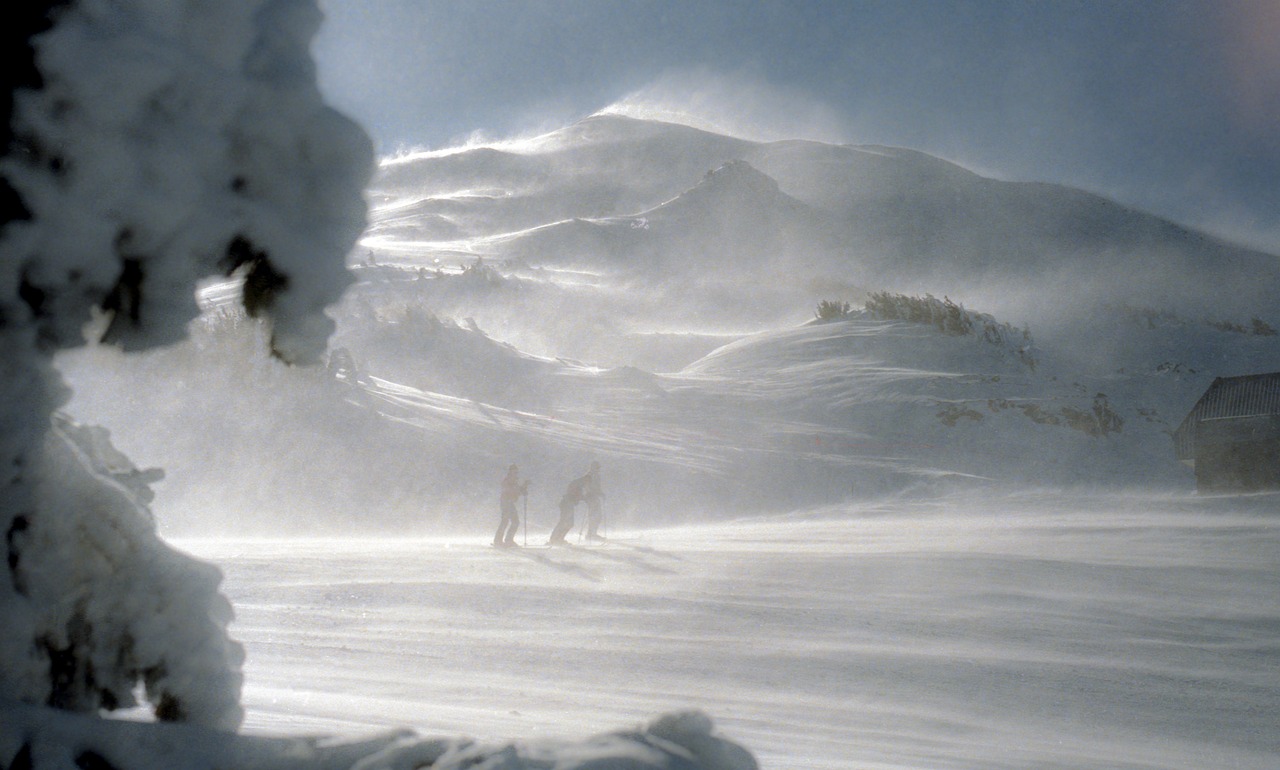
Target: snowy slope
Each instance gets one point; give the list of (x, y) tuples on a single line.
[(895, 218), (1029, 630), (602, 166), (633, 227), (1090, 632), (637, 292), (414, 432)]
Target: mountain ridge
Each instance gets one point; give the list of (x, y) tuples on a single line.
[(881, 217), (561, 306)]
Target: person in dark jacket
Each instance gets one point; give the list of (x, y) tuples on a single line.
[(584, 488), (593, 494)]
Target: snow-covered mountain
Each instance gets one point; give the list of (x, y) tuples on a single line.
[(876, 216), (643, 293)]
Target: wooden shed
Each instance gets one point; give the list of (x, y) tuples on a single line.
[(1232, 435)]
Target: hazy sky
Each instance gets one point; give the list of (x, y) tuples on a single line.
[(1172, 106)]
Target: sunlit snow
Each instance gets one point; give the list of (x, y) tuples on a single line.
[(984, 632), (856, 543)]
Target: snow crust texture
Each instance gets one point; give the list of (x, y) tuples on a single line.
[(148, 145)]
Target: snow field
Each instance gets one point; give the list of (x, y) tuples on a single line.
[(1011, 633)]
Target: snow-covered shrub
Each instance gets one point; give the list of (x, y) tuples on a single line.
[(1256, 326), (952, 414), (1098, 420), (478, 273), (1147, 317), (831, 310), (1228, 326), (952, 318), (945, 315), (109, 605), (1151, 318), (147, 145)]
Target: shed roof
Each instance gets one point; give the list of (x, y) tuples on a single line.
[(1228, 398), (1253, 395)]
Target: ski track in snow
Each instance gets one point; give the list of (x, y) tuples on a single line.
[(1114, 633)]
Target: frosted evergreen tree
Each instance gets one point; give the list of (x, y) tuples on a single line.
[(147, 146)]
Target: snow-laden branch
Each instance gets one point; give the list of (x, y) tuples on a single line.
[(146, 146)]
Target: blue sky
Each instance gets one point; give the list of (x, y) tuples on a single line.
[(1170, 106)]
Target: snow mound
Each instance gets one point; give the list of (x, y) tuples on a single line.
[(35, 737)]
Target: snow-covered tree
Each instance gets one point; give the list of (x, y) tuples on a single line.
[(147, 144)]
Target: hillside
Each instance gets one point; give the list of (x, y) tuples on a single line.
[(862, 216), (640, 293)]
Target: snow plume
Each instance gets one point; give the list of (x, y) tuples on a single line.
[(148, 145), (734, 105)]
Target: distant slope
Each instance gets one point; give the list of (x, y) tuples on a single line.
[(603, 166), (617, 230), (642, 293), (860, 216)]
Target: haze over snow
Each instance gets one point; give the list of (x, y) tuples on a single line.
[(940, 525), (641, 292)]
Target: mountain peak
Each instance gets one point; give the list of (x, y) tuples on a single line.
[(736, 183), (739, 172), (612, 129)]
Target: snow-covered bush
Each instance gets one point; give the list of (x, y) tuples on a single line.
[(1100, 419), (945, 315), (1152, 318), (108, 605), (480, 273), (831, 310), (952, 318), (147, 145), (1256, 326)]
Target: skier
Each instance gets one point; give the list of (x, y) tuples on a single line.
[(578, 490), (512, 489), (594, 497), (572, 496)]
